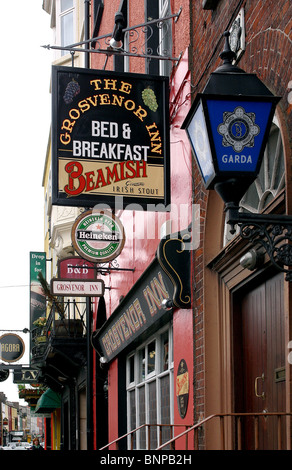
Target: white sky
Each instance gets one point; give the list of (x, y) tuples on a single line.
[(25, 107)]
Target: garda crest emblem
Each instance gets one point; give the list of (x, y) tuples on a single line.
[(238, 129)]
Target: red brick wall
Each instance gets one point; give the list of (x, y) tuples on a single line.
[(268, 53)]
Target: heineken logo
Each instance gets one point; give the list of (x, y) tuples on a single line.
[(98, 236), (101, 236)]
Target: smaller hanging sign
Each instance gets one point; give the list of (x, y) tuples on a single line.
[(74, 288), (98, 236), (4, 374), (11, 348), (25, 375), (182, 388), (76, 268)]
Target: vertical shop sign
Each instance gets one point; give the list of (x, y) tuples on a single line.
[(182, 388), (110, 139), (37, 295)]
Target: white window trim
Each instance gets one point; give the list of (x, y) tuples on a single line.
[(59, 16), (156, 376), (164, 10)]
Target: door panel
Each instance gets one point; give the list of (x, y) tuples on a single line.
[(260, 337)]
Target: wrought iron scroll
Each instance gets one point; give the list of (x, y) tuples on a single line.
[(272, 232), (135, 42)]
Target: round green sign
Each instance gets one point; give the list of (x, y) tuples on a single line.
[(98, 236)]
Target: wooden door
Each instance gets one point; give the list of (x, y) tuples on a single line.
[(260, 360)]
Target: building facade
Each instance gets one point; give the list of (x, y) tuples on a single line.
[(216, 344), (143, 384), (245, 324)]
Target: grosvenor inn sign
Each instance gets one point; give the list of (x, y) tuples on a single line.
[(110, 138)]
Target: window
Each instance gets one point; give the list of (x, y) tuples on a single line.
[(66, 22), (121, 63), (159, 41), (165, 39), (150, 389), (270, 180)]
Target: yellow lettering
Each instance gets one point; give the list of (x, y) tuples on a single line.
[(110, 84), (96, 83), (125, 87)]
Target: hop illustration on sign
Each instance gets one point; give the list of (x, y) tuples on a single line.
[(149, 99), (72, 90)]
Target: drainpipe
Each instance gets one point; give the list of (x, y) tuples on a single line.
[(89, 376), (86, 30)]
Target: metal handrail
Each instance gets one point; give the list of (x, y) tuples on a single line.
[(221, 416), (148, 426), (198, 426)]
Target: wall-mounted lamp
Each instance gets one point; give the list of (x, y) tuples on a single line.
[(103, 360), (167, 304), (228, 127), (116, 41), (252, 259)]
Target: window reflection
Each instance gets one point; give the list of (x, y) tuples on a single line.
[(151, 358), (165, 351)]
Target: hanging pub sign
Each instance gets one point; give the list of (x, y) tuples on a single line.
[(4, 374), (76, 268), (11, 348), (110, 139), (70, 288), (25, 375), (98, 236), (37, 296)]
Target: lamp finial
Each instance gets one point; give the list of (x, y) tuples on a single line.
[(227, 55)]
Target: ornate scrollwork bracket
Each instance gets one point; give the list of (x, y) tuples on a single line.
[(133, 36), (272, 231), (173, 256)]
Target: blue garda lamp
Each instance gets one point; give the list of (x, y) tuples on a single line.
[(228, 127)]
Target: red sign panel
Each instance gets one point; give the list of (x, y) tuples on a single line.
[(76, 268)]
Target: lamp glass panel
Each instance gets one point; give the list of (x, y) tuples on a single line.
[(197, 132), (238, 129)]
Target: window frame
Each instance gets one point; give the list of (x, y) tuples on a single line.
[(155, 376), (164, 11), (59, 15)]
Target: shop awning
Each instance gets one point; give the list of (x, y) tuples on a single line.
[(48, 402)]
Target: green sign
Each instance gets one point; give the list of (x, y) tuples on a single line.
[(98, 236), (37, 296)]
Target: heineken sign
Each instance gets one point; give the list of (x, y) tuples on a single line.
[(98, 236), (110, 139)]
